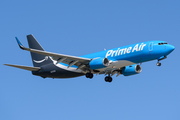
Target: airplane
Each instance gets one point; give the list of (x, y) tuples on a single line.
[(124, 60)]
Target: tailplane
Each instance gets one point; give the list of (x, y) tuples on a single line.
[(37, 59), (24, 67)]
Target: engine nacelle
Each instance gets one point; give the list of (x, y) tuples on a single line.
[(131, 70), (99, 63)]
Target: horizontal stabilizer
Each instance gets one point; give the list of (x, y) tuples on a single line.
[(25, 67)]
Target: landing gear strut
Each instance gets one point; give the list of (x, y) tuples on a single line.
[(89, 75), (108, 79)]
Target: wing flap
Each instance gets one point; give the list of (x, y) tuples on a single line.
[(24, 67)]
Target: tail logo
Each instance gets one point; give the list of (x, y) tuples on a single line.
[(40, 61)]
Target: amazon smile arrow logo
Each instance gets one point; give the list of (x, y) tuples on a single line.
[(40, 61)]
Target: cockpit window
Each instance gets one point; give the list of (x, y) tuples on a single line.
[(162, 43)]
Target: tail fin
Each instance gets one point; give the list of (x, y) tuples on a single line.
[(37, 59)]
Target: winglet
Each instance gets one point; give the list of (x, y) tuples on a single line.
[(20, 44)]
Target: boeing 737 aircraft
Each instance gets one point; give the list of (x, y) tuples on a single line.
[(124, 60)]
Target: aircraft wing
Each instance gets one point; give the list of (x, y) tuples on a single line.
[(67, 59)]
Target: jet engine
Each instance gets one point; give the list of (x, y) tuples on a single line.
[(131, 70), (99, 63)]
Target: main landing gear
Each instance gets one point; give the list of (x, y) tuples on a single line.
[(89, 75), (108, 78)]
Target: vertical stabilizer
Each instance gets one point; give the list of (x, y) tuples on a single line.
[(37, 59)]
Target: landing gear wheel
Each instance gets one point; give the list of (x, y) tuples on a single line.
[(89, 75), (158, 64), (108, 79)]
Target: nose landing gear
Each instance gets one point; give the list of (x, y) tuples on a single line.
[(161, 58)]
